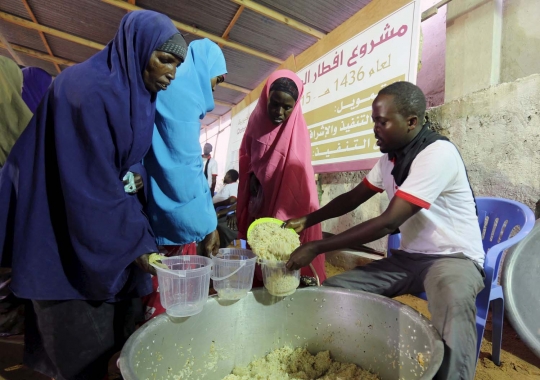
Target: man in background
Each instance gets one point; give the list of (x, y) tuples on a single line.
[(228, 194), (210, 167), (225, 203)]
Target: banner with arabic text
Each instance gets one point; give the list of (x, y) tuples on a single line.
[(239, 124), (341, 85)]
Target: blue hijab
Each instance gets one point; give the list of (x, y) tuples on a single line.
[(35, 84), (67, 227), (179, 203)]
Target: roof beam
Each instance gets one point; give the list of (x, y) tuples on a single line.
[(33, 17), (39, 55), (276, 16), (235, 87), (197, 32), (428, 13), (6, 45), (225, 34), (45, 29), (223, 104)]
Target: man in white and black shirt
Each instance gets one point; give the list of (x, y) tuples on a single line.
[(432, 204), (225, 204), (210, 168)]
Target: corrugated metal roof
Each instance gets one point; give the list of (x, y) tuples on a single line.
[(246, 70), (190, 37), (210, 15), (22, 36), (97, 21), (269, 36), (209, 119), (15, 7), (322, 15), (70, 50), (90, 19), (221, 110), (228, 95), (31, 61)]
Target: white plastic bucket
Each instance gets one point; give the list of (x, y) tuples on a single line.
[(184, 286), (232, 272)]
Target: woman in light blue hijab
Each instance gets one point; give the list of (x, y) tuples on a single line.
[(179, 203)]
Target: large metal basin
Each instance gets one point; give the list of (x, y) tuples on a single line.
[(372, 331)]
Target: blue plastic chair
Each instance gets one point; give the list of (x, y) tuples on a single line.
[(497, 218)]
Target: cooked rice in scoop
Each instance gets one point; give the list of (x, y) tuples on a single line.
[(271, 242)]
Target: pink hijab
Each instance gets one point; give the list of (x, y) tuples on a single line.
[(280, 158)]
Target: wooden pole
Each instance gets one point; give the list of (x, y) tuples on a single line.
[(8, 46), (39, 55), (224, 104), (276, 16), (225, 34), (41, 35)]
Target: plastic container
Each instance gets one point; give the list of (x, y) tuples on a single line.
[(278, 280), (266, 220), (184, 286), (232, 272)]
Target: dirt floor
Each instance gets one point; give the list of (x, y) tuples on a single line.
[(517, 361)]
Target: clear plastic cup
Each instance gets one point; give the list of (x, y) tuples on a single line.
[(184, 286), (232, 272), (278, 280)]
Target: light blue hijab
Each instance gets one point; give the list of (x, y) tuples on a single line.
[(179, 203)]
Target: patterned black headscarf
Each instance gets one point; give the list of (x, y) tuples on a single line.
[(285, 85)]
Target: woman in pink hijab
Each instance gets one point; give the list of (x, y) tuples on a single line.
[(276, 176)]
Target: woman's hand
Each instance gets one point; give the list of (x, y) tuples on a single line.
[(211, 243), (133, 182), (232, 222), (139, 184), (298, 225), (302, 256), (143, 262)]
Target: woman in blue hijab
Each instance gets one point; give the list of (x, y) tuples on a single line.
[(77, 243), (179, 203)]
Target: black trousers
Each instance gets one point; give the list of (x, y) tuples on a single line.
[(75, 339)]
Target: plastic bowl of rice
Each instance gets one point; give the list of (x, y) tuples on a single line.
[(278, 280), (273, 246)]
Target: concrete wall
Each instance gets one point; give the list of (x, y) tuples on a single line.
[(489, 42), (498, 133), (520, 39), (431, 74), (473, 46)]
